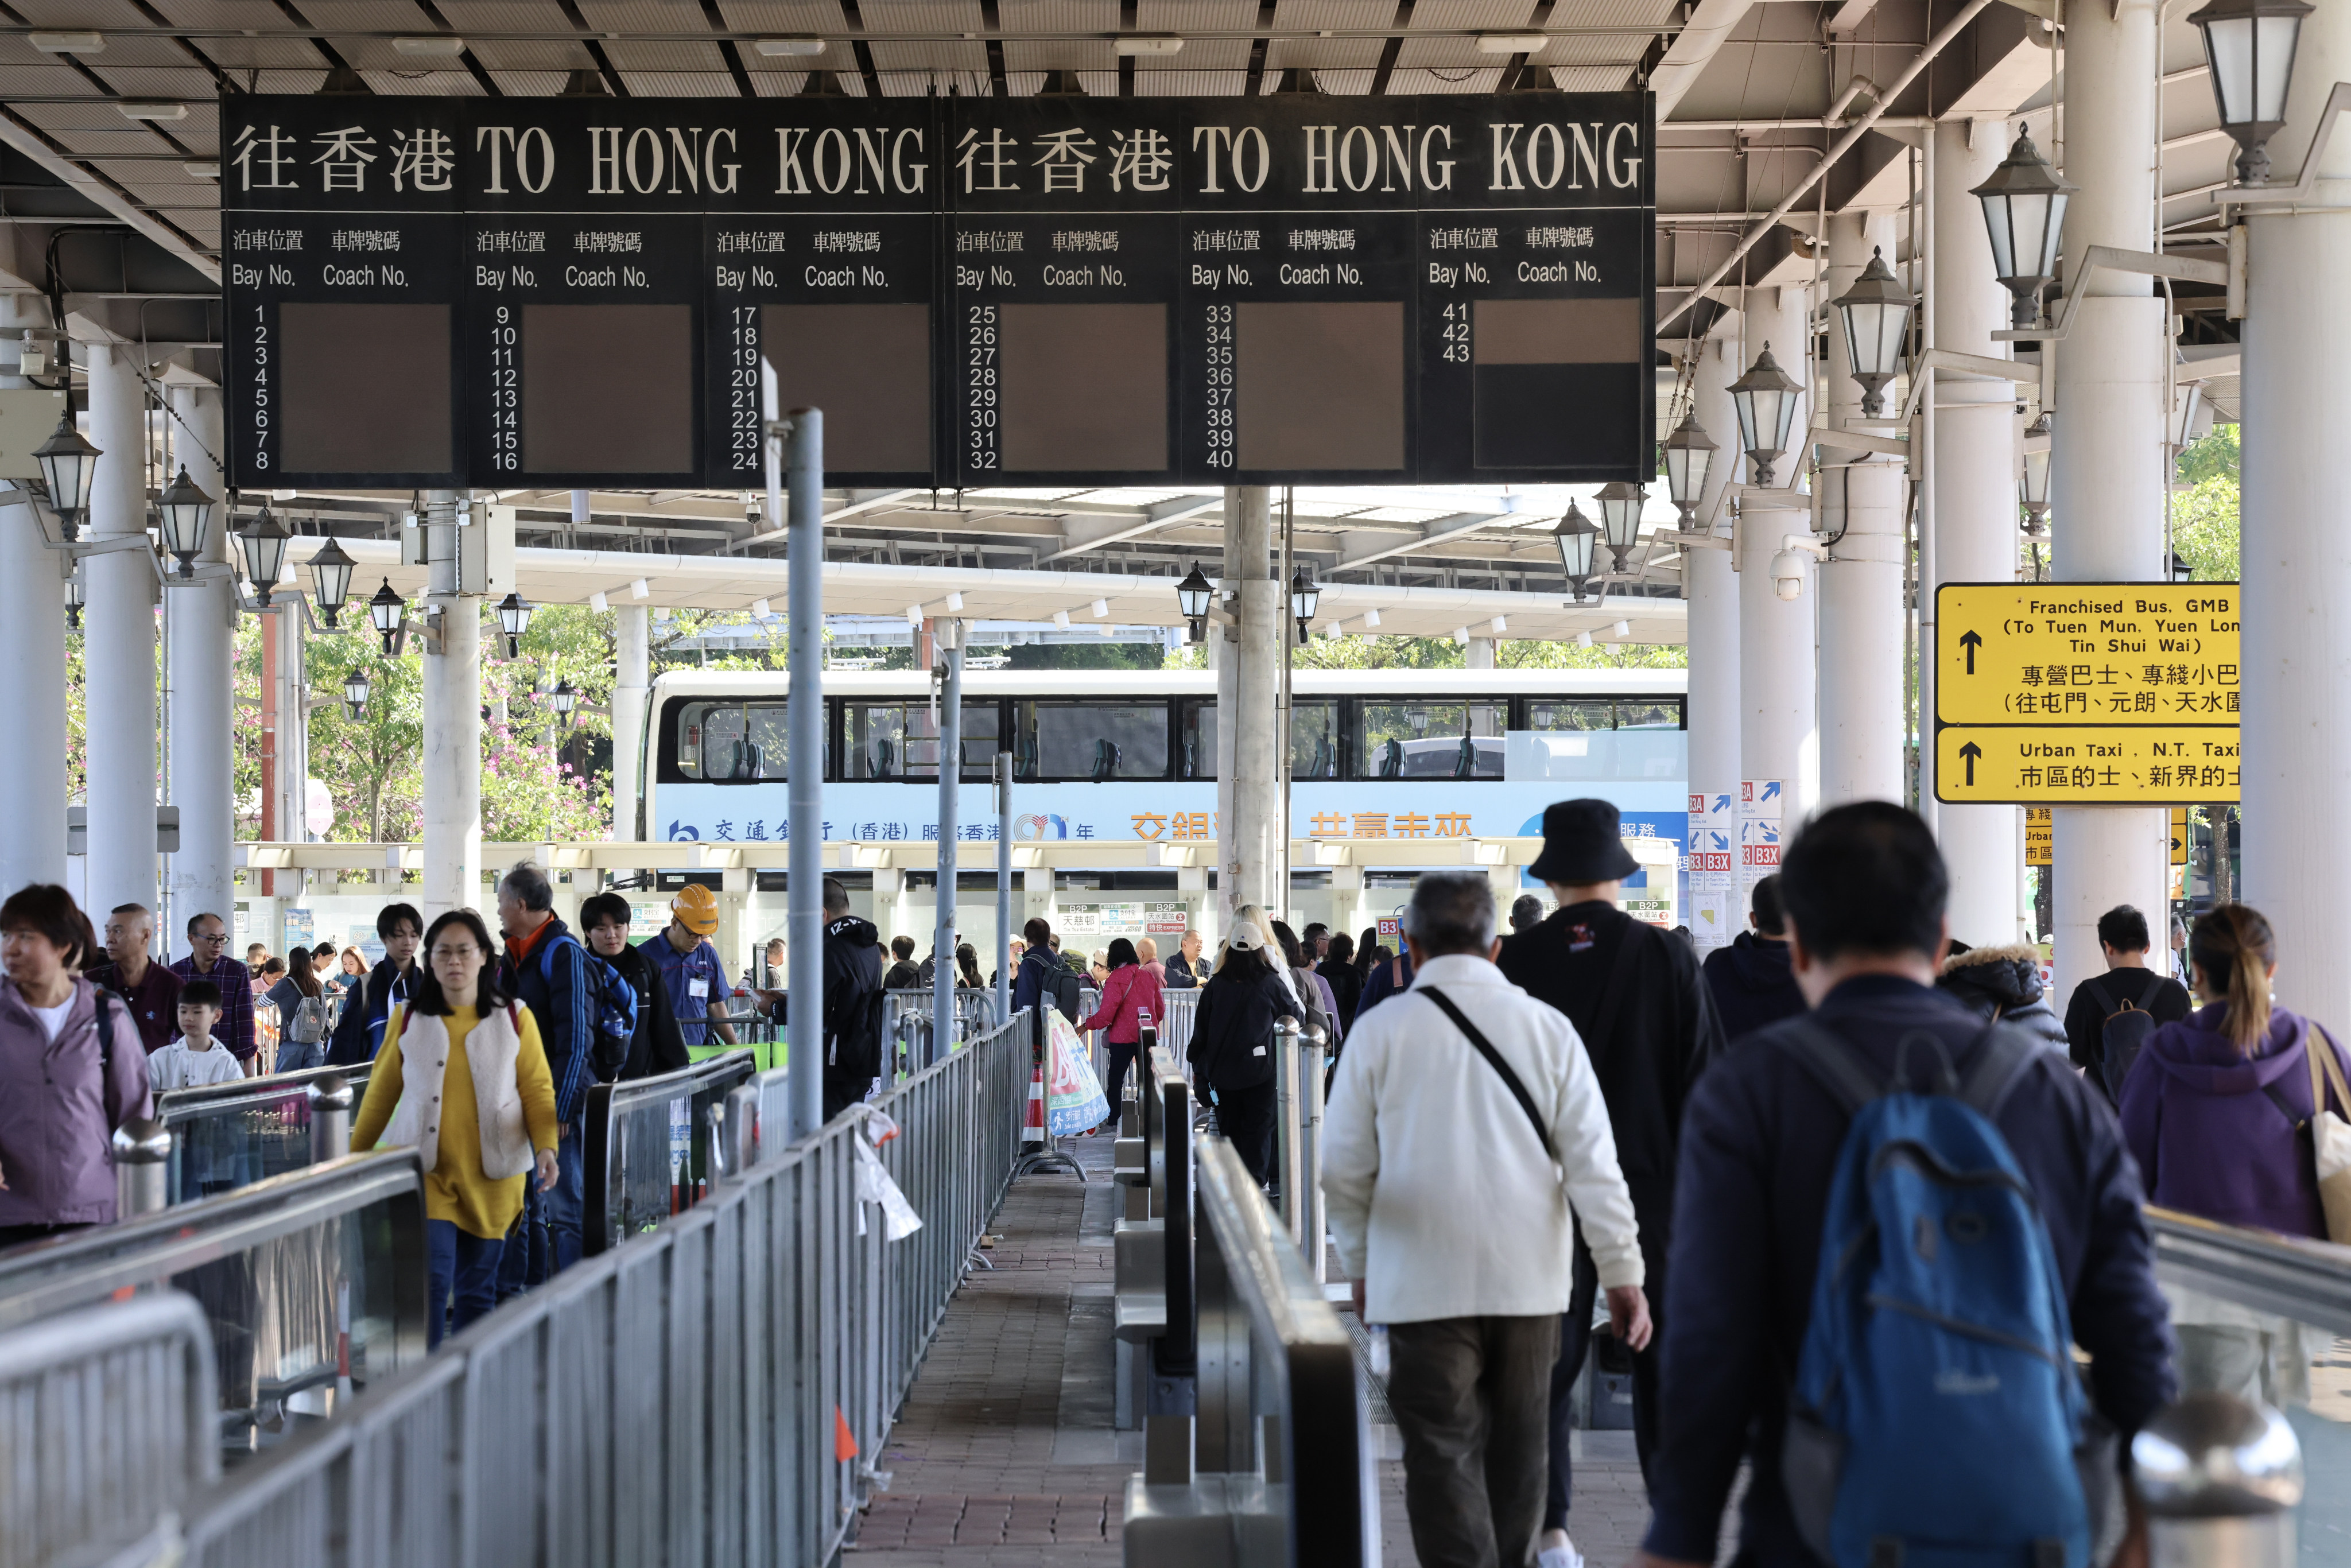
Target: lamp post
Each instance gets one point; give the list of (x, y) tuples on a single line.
[(2249, 45), (1304, 594), (331, 577), (76, 596), (561, 700), (1876, 313), (513, 620), (185, 512), (355, 693), (1575, 537), (66, 462), (385, 609), (2025, 212), (1765, 398), (1192, 597), (2033, 481), (1620, 519), (263, 540), (1689, 452)]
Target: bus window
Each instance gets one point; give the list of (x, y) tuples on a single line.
[(1644, 712), (733, 742), (1314, 739), (1570, 712), (1431, 740), (1196, 739), (1090, 741), (898, 741)]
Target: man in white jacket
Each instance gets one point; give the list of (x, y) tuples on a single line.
[(1453, 1186)]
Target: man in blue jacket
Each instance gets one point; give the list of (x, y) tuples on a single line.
[(545, 968), (1750, 981), (1864, 889)]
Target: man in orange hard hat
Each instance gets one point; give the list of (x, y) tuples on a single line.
[(689, 967)]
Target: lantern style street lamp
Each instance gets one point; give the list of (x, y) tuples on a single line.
[(561, 700), (1620, 519), (2250, 44), (385, 610), (331, 577), (263, 540), (185, 512), (1192, 597), (1305, 594), (2025, 212), (355, 693), (1689, 452), (513, 620), (1575, 537), (75, 596), (67, 464), (1765, 398), (1876, 315), (2033, 485)]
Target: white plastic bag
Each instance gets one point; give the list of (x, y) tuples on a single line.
[(875, 1185)]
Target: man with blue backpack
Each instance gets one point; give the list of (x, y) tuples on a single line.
[(1894, 1222), (568, 991)]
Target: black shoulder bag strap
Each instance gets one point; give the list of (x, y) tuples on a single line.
[(1510, 1080), (2105, 999), (2154, 984), (104, 1035)]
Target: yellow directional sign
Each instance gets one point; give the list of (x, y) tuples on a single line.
[(2038, 836), (2086, 652), (2133, 767), (2180, 835)]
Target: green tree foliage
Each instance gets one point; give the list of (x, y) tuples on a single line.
[(2204, 517)]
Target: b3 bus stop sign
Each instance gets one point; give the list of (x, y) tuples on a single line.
[(2086, 692)]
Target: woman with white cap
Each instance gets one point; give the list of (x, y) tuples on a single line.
[(1232, 1043)]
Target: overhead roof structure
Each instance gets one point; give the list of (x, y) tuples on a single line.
[(110, 159)]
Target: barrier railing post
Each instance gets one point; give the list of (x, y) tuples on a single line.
[(1309, 1162), (330, 1118), (1285, 1124), (742, 1129), (2219, 1476), (143, 1165)]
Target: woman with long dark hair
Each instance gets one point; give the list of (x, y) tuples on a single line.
[(462, 1078), (1130, 991), (301, 1013)]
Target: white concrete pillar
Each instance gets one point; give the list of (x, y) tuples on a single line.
[(203, 627), (1251, 829), (453, 728), (1972, 470), (1779, 736), (1862, 615), (2109, 465), (2297, 747), (118, 644), (293, 724), (1480, 654), (631, 691), (1711, 586), (32, 647)]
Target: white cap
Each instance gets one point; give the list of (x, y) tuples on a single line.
[(1246, 937)]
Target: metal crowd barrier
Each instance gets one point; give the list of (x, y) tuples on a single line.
[(108, 1417), (716, 1392), (311, 1283), (1277, 1464), (653, 1146), (228, 1135), (1150, 1305)]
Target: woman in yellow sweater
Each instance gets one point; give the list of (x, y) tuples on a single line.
[(463, 1078)]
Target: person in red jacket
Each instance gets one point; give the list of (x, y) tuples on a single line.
[(1130, 991)]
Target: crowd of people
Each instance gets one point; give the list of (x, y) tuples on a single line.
[(1576, 1122)]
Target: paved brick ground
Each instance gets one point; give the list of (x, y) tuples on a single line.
[(1004, 1457)]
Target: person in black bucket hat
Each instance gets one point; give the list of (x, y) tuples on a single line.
[(1647, 1022)]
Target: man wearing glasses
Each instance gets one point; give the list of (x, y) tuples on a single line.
[(208, 960)]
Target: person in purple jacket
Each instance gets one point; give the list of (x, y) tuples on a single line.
[(2212, 1108)]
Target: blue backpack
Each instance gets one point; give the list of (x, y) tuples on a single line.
[(1937, 1419), (611, 1001)]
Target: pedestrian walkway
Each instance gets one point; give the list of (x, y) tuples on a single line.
[(1005, 1454)]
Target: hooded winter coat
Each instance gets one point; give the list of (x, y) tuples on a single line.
[(1753, 984), (2003, 984), (2199, 1118), (852, 1004)]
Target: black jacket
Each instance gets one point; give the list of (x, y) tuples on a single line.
[(1753, 984), (904, 975), (1646, 1050), (2003, 983), (1232, 1032), (658, 1046), (1043, 979), (358, 1033), (1346, 987), (1758, 1147), (852, 1001), (1180, 977)]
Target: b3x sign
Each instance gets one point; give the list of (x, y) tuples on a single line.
[(2104, 692)]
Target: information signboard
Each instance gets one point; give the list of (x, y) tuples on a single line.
[(2107, 693), (556, 293), (2038, 835)]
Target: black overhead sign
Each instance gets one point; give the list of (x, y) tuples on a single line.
[(558, 293)]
